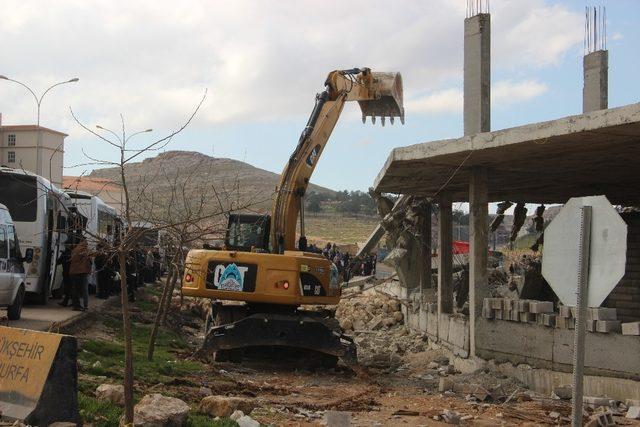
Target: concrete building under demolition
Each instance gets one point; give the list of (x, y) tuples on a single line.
[(593, 153)]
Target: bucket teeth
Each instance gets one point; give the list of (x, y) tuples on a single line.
[(382, 120), (364, 119), (402, 119), (391, 119)]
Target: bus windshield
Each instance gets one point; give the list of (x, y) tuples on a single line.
[(19, 193)]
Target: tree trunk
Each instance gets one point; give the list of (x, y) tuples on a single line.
[(165, 309), (156, 323), (128, 348)]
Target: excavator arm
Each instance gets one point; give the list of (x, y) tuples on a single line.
[(378, 94)]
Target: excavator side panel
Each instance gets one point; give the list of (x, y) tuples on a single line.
[(293, 278)]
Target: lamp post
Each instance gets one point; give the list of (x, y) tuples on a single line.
[(38, 100)]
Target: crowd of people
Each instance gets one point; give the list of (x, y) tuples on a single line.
[(78, 261), (347, 264)]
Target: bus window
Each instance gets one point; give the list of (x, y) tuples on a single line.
[(19, 193), (14, 251), (3, 243)]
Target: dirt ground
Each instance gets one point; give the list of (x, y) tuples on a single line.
[(396, 383)]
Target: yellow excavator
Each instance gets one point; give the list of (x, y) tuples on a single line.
[(259, 280)]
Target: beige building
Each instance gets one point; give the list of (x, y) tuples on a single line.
[(109, 191), (33, 148)]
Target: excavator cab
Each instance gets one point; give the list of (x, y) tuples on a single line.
[(248, 233)]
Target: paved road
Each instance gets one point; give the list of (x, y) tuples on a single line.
[(41, 317)]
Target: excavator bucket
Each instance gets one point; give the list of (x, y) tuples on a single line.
[(387, 88)]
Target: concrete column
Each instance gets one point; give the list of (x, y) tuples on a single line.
[(477, 74), (445, 255), (425, 249), (595, 92), (478, 248)]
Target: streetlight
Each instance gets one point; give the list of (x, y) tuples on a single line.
[(39, 99), (38, 104)]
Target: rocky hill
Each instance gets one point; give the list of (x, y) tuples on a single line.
[(228, 179)]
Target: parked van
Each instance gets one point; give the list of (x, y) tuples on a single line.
[(12, 275)]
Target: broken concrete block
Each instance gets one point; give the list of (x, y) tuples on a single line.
[(494, 303), (607, 326), (565, 311), (446, 384), (540, 307), (601, 313), (546, 319), (633, 412), (631, 328), (596, 402), (376, 323), (591, 325), (337, 419), (527, 317), (565, 322), (523, 305), (602, 419), (498, 314), (487, 313), (450, 417), (563, 392)]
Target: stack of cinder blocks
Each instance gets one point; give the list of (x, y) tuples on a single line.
[(514, 310), (600, 319)]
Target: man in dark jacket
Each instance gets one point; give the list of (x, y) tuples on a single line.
[(64, 260), (79, 270), (104, 272)]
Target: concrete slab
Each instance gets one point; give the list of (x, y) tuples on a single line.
[(547, 162)]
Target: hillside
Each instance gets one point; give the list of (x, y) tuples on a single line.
[(233, 180)]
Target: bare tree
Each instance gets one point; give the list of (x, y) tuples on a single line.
[(121, 247)]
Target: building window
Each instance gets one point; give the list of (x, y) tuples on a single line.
[(11, 140), (11, 156)]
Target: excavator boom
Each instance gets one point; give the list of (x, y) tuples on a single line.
[(378, 94)]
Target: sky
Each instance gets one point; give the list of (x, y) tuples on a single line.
[(262, 62)]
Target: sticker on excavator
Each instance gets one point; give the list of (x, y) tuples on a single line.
[(311, 159), (232, 277)]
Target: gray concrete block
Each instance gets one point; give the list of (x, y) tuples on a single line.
[(540, 307), (631, 328), (607, 326), (601, 313), (527, 317), (565, 311)]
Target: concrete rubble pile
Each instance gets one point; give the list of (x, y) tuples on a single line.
[(376, 322)]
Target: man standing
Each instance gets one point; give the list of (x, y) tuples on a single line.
[(79, 269)]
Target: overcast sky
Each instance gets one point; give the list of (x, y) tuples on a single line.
[(263, 61)]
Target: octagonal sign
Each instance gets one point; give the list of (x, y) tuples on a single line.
[(607, 255)]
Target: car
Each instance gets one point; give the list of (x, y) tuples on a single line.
[(12, 274)]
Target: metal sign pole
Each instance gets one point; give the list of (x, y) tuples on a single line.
[(581, 313)]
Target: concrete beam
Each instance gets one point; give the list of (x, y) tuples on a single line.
[(478, 248), (445, 255), (477, 74), (592, 153), (595, 92)]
